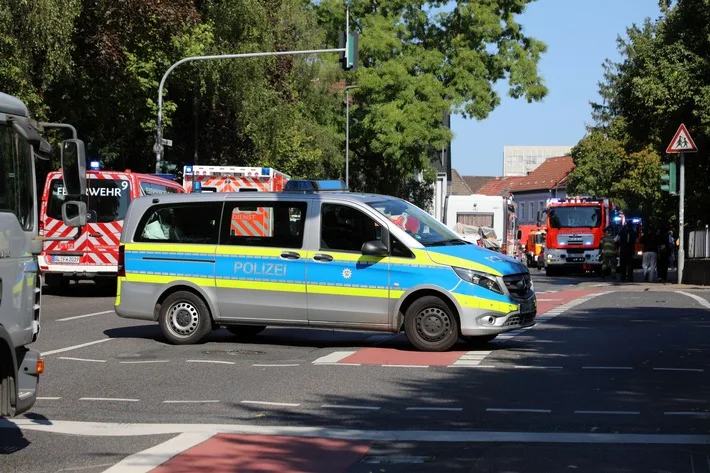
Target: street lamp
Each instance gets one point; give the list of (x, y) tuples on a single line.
[(347, 133)]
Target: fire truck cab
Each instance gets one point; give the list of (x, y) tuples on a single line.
[(575, 227), (94, 254)]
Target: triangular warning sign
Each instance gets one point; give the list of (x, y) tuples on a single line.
[(682, 142)]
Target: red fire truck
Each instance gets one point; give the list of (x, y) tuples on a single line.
[(250, 221), (94, 254), (575, 227)]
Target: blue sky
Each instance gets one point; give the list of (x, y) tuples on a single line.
[(580, 35)]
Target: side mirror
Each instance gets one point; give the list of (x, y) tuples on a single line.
[(74, 213), (74, 167), (374, 248)]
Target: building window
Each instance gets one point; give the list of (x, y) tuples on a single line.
[(522, 212), (532, 211)]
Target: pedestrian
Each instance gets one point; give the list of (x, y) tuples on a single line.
[(627, 240), (664, 251), (608, 250), (649, 242), (671, 250)]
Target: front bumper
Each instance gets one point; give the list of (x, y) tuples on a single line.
[(476, 322), (79, 271), (563, 257)]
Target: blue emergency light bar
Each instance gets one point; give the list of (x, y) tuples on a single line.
[(94, 165), (315, 186), (188, 169)]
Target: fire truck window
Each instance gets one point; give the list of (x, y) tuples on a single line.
[(108, 199), (265, 224), (193, 223), (344, 228)]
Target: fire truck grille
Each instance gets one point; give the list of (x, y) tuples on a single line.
[(519, 286)]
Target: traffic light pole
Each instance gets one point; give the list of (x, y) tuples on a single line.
[(681, 220)]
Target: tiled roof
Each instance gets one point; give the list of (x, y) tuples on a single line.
[(499, 185), (458, 185), (476, 182), (547, 175)]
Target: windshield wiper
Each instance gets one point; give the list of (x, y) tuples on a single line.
[(452, 241)]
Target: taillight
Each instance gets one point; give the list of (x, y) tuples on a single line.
[(41, 228), (121, 261)]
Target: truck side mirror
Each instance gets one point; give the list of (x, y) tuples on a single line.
[(74, 167), (74, 213)]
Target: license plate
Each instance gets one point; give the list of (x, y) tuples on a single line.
[(576, 260), (66, 259), (527, 307)]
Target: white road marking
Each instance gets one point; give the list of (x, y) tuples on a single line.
[(117, 399), (334, 357), (189, 402), (75, 347), (697, 370), (100, 429), (143, 362), (147, 460), (628, 413), (698, 299), (526, 367), (345, 406), (212, 361), (337, 364), (266, 403), (407, 366), (443, 409), (498, 409), (275, 365), (607, 368), (48, 398), (462, 365), (81, 359), (67, 319)]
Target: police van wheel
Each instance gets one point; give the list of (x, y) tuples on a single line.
[(245, 330), (430, 325), (185, 318)]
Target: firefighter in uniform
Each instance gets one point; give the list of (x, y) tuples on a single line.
[(608, 249)]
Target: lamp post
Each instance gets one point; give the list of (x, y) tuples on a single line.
[(347, 133)]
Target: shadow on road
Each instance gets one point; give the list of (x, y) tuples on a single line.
[(11, 437), (84, 289)]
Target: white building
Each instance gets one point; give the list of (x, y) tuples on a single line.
[(520, 160)]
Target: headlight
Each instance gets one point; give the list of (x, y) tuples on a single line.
[(485, 280)]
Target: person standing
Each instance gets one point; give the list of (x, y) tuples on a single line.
[(608, 249), (627, 241), (649, 241)]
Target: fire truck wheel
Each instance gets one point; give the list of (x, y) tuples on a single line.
[(245, 330), (430, 325), (185, 318)]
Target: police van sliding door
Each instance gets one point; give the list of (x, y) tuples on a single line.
[(345, 287), (261, 263)]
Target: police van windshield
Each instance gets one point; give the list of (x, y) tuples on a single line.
[(108, 199), (417, 223)]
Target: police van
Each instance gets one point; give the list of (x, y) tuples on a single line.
[(329, 259)]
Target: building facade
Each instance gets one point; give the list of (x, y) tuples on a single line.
[(522, 160)]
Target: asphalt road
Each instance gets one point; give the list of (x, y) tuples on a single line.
[(613, 378)]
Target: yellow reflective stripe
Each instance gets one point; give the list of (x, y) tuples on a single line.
[(170, 248), (157, 279), (486, 304), (118, 291), (260, 285), (447, 260)]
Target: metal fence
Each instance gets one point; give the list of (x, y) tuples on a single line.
[(699, 243)]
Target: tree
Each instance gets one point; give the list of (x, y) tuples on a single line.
[(662, 80), (415, 65)]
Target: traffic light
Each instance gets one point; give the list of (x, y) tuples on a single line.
[(669, 181), (349, 57)]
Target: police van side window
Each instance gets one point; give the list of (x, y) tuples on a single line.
[(344, 228), (189, 223), (265, 224)]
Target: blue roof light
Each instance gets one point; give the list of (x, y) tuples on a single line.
[(94, 165), (315, 186), (188, 169), (266, 171)]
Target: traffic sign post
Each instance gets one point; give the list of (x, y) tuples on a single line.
[(681, 143)]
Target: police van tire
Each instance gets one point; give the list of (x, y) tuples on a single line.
[(245, 330), (430, 324), (184, 318)]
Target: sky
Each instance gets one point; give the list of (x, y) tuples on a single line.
[(580, 35)]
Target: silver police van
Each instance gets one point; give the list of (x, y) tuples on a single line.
[(314, 255)]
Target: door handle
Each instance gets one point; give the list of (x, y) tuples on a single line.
[(321, 257), (290, 255), (96, 235)]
